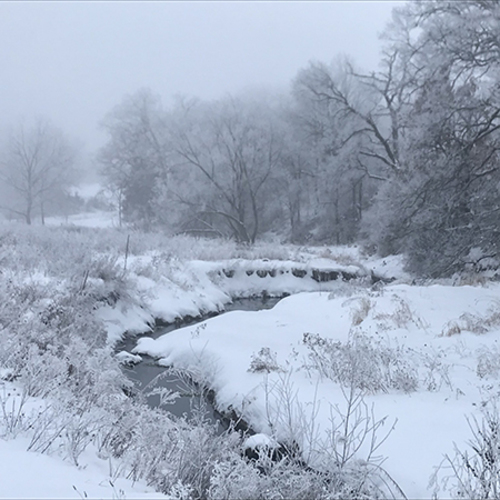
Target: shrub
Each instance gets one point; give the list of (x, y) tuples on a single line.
[(400, 317), (473, 323), (488, 362), (360, 312), (325, 463), (362, 362), (475, 473), (264, 361)]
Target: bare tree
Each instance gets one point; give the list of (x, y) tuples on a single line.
[(341, 127), (37, 166), (136, 157), (235, 147)]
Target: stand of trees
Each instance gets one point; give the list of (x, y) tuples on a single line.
[(404, 159)]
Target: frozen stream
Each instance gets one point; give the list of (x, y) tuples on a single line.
[(148, 375)]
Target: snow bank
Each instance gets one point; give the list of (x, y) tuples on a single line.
[(434, 329), (27, 474), (33, 475), (169, 289)]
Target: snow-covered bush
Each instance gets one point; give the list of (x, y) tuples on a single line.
[(360, 312), (342, 462), (399, 317), (488, 362), (234, 478), (475, 472), (264, 361), (363, 362), (12, 405), (474, 323)]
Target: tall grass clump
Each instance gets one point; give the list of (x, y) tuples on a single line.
[(362, 362)]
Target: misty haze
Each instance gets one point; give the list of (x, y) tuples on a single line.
[(250, 250)]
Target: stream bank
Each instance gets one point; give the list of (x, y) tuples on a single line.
[(156, 382)]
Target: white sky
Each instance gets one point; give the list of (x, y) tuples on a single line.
[(73, 61)]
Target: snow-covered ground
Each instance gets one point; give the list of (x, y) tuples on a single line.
[(158, 285), (444, 341), (171, 289), (97, 218), (87, 190), (28, 474), (425, 356)]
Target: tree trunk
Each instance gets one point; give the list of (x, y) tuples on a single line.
[(28, 213), (42, 213), (337, 216)]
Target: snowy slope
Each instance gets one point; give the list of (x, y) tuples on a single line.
[(28, 474), (33, 475), (439, 334)]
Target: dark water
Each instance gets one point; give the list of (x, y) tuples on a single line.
[(149, 377)]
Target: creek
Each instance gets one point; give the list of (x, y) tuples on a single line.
[(150, 378)]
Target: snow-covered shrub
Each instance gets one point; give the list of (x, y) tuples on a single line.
[(12, 405), (488, 362), (475, 472), (168, 453), (342, 462), (234, 478), (363, 362), (473, 323), (37, 241), (264, 361), (346, 256), (360, 311), (466, 322), (51, 343), (435, 370), (400, 317)]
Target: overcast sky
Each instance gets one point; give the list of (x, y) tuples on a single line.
[(73, 61)]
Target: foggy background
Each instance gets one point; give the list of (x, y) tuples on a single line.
[(375, 123), (73, 61)]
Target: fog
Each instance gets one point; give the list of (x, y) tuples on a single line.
[(72, 62)]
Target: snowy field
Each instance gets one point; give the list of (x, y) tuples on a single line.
[(427, 357), (88, 219), (96, 218), (377, 375)]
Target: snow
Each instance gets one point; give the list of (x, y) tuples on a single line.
[(33, 475), (87, 191), (126, 358), (124, 318), (98, 219), (173, 289), (418, 320), (258, 363), (259, 440), (27, 474)]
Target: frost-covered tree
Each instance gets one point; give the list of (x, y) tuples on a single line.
[(337, 123), (136, 156), (36, 167), (230, 151), (445, 205)]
